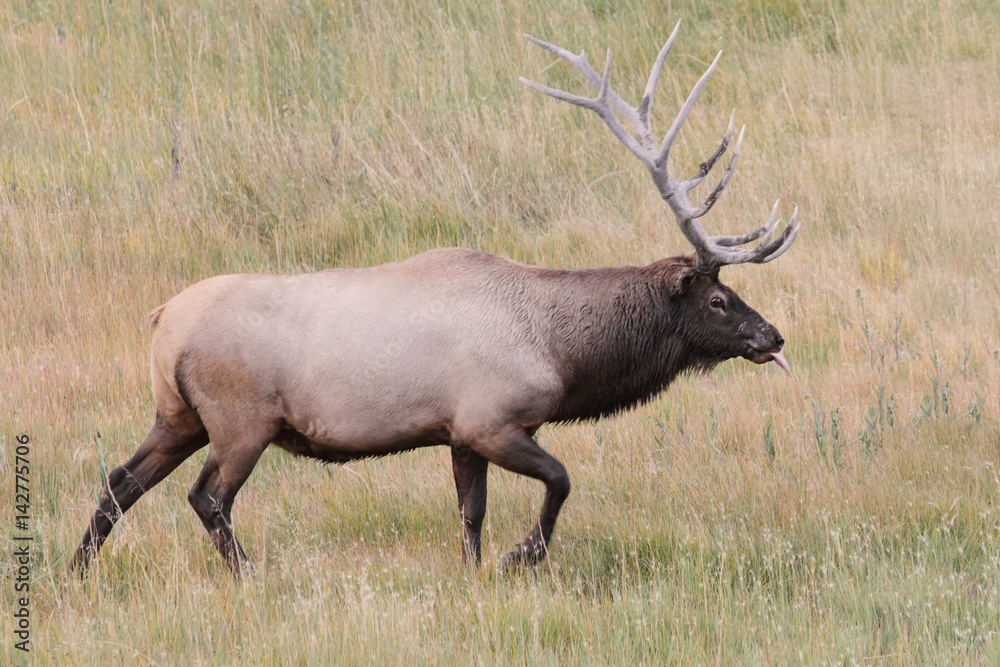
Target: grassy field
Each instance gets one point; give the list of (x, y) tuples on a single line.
[(847, 514)]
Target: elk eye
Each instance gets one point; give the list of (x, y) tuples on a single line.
[(717, 302)]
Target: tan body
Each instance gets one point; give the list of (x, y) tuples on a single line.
[(362, 362)]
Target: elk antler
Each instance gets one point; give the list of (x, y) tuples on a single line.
[(713, 251)]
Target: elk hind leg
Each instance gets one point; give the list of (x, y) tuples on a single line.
[(470, 481), (167, 445)]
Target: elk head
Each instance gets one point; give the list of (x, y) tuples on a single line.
[(763, 342)]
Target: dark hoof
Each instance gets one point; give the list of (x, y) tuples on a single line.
[(79, 564), (524, 555), (244, 570)]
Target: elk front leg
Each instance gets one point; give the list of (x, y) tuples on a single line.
[(518, 452), (231, 458)]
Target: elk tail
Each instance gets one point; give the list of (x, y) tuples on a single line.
[(154, 317)]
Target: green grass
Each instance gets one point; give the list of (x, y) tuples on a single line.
[(845, 515)]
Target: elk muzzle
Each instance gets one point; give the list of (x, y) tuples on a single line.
[(766, 346)]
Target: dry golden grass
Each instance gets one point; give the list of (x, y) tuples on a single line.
[(845, 515)]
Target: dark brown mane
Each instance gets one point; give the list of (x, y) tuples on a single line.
[(626, 344)]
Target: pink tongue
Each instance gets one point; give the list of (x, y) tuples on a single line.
[(780, 360)]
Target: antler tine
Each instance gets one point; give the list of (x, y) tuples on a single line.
[(705, 167), (767, 249), (675, 127), (646, 104), (729, 241), (599, 106), (783, 242), (605, 88), (764, 252), (724, 181), (583, 66)]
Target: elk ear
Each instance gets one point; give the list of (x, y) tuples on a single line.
[(679, 279)]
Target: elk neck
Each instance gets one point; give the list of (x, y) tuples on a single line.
[(616, 336)]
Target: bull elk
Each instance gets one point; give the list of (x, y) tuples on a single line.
[(451, 347)]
